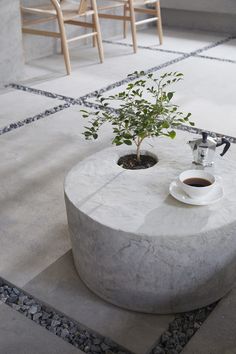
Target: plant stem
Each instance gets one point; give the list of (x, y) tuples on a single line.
[(138, 153), (138, 144)]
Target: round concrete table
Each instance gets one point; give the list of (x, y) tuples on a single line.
[(136, 246)]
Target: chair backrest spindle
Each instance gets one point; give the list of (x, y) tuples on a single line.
[(83, 6)]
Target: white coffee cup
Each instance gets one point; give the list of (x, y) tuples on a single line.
[(196, 183)]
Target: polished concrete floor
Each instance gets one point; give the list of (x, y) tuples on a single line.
[(40, 128)]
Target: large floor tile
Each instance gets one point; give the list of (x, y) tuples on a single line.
[(223, 51), (19, 335), (18, 105), (203, 93), (34, 162), (217, 335), (89, 75), (35, 73), (61, 287), (175, 39)]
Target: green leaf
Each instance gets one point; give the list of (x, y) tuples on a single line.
[(128, 142), (172, 134), (170, 95), (165, 125)]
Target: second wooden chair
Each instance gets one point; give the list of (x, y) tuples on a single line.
[(130, 7)]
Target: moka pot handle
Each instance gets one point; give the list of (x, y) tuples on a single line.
[(225, 142)]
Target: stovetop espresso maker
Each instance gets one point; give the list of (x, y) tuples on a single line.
[(204, 149)]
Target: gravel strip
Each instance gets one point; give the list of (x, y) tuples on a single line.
[(41, 92), (57, 323), (183, 127), (181, 330), (172, 341), (29, 120)]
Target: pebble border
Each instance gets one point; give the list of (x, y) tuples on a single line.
[(144, 47), (21, 123), (56, 322), (172, 341), (178, 52), (41, 92), (182, 127), (181, 330)]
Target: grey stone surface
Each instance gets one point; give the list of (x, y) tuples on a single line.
[(11, 57), (217, 335), (59, 324), (151, 253), (17, 105), (33, 165), (226, 51), (60, 286), (204, 98), (19, 335)]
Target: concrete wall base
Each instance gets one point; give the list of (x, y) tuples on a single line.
[(208, 21)]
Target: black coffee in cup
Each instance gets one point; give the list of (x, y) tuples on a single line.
[(197, 182)]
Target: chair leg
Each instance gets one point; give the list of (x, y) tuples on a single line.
[(64, 45), (125, 22), (133, 25), (159, 22), (94, 29), (97, 29)]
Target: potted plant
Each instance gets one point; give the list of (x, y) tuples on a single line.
[(145, 110)]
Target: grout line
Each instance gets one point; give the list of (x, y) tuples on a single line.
[(211, 133), (144, 47), (213, 45), (215, 58), (41, 92), (181, 330), (225, 40), (29, 120), (183, 127), (57, 322), (83, 102)]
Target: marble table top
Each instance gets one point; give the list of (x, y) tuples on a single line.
[(138, 201)]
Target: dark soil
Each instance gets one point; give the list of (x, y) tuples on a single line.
[(130, 162)]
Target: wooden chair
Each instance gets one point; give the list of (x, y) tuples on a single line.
[(64, 12), (129, 9)]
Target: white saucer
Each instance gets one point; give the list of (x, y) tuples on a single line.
[(212, 197)]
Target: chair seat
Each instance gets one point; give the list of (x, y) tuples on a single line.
[(69, 10)]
